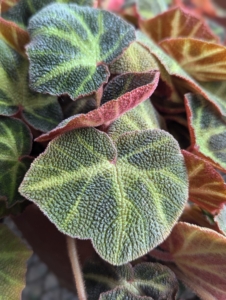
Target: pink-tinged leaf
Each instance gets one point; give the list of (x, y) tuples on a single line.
[(199, 255), (204, 61), (13, 35), (206, 186), (207, 130), (116, 99), (177, 22)]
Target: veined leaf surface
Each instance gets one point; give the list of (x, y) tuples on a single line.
[(207, 129), (122, 196), (40, 111), (199, 254), (13, 257), (121, 94), (121, 294), (176, 22), (145, 279), (15, 146), (206, 186), (204, 61), (71, 47)]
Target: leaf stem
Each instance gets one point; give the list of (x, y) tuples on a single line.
[(73, 255)]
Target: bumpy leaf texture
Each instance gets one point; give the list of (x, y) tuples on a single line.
[(13, 257), (81, 182), (71, 47), (145, 279), (199, 255), (120, 95), (15, 146), (207, 129), (40, 111), (121, 294)]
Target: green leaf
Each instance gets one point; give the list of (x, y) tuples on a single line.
[(40, 111), (207, 129), (145, 279), (121, 294), (25, 9), (142, 117), (14, 210), (71, 47), (15, 146), (123, 196), (13, 257), (220, 219)]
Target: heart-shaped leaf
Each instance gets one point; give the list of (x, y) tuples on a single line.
[(40, 111), (13, 257), (206, 186), (176, 22), (145, 279), (207, 129), (121, 293), (204, 61), (123, 196), (199, 254), (121, 94), (71, 47), (15, 146)]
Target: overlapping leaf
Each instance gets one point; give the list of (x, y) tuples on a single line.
[(142, 117), (71, 47), (207, 129), (136, 58), (25, 9), (121, 94), (120, 294), (145, 279), (204, 61), (6, 4), (5, 211), (40, 111), (220, 219), (199, 255), (13, 257), (206, 186), (82, 184), (15, 146), (176, 22)]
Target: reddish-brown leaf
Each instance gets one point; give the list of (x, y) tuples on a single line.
[(109, 111), (6, 4), (206, 186), (199, 255), (177, 22)]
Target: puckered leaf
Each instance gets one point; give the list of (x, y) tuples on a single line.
[(123, 196), (25, 9), (142, 117), (220, 219), (199, 254), (15, 146), (121, 94), (145, 279), (71, 47), (120, 294), (136, 58), (176, 22), (40, 111), (13, 257), (202, 60), (206, 186), (207, 129)]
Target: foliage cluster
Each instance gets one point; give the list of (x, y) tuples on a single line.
[(112, 122)]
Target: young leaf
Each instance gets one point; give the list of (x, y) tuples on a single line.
[(121, 94), (206, 186), (176, 22), (81, 182), (207, 129), (136, 58), (220, 219), (145, 279), (204, 61), (15, 146), (120, 294), (13, 257), (67, 40), (40, 111), (199, 254)]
